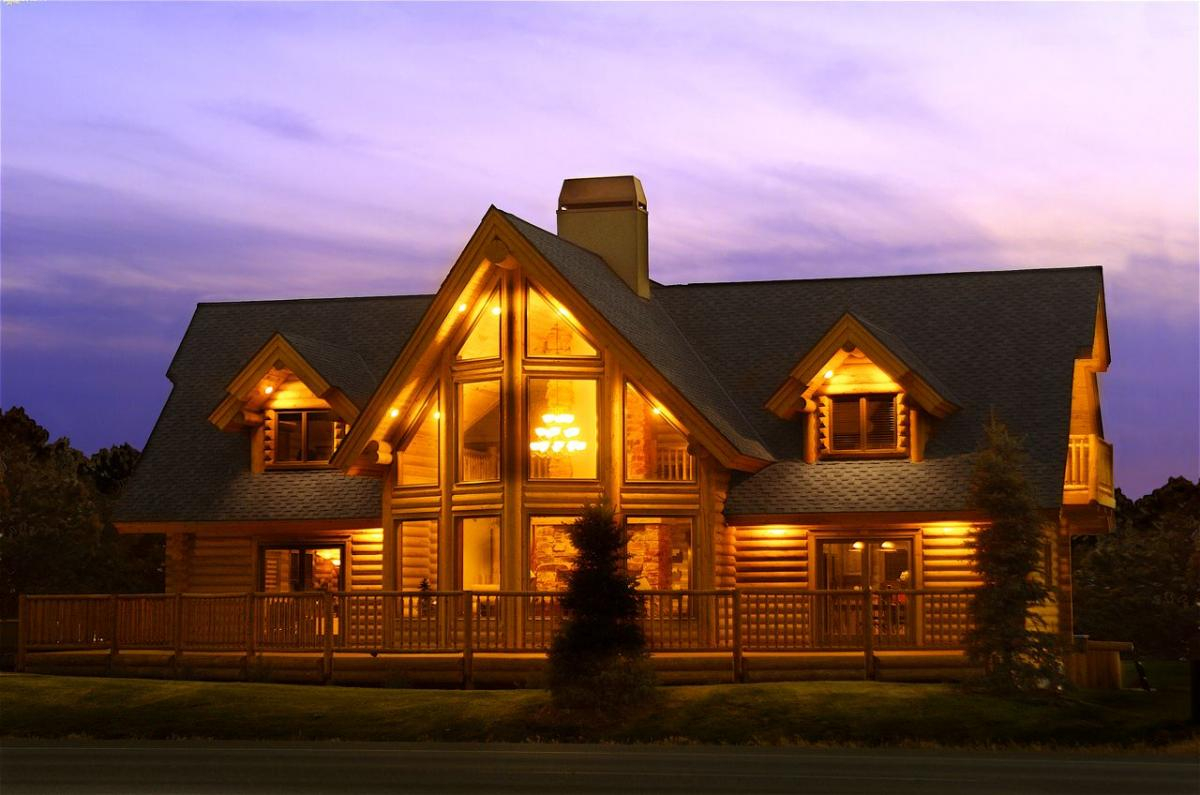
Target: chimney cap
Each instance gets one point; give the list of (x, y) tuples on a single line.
[(593, 192)]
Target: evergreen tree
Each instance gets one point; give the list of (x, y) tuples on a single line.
[(1009, 639), (598, 658)]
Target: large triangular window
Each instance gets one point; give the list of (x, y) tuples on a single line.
[(550, 331), (483, 341)]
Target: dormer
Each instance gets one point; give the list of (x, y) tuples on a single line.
[(294, 398), (863, 394)]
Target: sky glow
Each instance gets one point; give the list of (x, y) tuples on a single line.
[(156, 155)]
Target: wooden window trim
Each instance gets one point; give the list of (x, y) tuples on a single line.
[(864, 452), (527, 455), (302, 546), (275, 465)]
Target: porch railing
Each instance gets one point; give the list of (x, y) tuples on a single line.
[(1089, 472), (466, 622)]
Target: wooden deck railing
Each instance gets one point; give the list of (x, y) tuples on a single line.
[(397, 622), (1089, 474)]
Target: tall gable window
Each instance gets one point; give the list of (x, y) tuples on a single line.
[(564, 430), (418, 464), (549, 330), (478, 431), (305, 437), (863, 423)]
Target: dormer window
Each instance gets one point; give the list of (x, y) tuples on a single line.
[(304, 437), (863, 424)]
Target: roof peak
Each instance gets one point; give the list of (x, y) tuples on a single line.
[(989, 272)]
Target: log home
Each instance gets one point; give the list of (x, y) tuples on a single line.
[(366, 480)]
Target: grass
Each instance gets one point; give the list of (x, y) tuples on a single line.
[(866, 713)]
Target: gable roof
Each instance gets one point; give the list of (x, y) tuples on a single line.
[(1002, 340), (191, 471), (997, 340)]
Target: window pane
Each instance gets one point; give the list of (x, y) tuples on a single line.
[(549, 331), (660, 553), (419, 462), (551, 553), (483, 341), (479, 431), (846, 434), (281, 570), (288, 439), (481, 553), (881, 423), (324, 569), (654, 448), (418, 553), (319, 437), (563, 428)]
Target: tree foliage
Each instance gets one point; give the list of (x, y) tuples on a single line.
[(1141, 582), (1009, 639), (598, 658), (56, 509)]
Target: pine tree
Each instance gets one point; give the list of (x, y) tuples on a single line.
[(598, 658), (1009, 639)]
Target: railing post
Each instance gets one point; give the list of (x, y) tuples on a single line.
[(468, 658), (22, 632), (177, 657), (327, 664), (113, 625), (738, 663), (868, 634), (251, 626), (1093, 468)]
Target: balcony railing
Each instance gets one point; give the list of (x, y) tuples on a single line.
[(1089, 474), (464, 622)]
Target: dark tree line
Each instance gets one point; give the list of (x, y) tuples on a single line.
[(56, 509), (1141, 582)]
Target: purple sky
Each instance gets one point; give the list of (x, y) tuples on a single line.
[(156, 155)]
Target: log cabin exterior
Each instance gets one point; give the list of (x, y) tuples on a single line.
[(791, 459)]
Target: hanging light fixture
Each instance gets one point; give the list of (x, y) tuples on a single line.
[(558, 432)]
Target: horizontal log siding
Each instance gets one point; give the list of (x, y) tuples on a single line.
[(946, 557), (771, 557), (222, 564)]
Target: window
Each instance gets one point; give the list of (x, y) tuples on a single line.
[(551, 553), (863, 423), (483, 341), (549, 330), (660, 552), (301, 568), (654, 448), (478, 431), (305, 437), (418, 463), (418, 542), (480, 544), (563, 428)]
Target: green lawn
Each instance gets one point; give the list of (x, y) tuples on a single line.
[(808, 712)]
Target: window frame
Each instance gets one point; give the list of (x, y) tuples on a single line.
[(631, 520), (275, 463), (302, 546), (895, 451), (459, 385), (561, 375), (624, 452), (542, 358)]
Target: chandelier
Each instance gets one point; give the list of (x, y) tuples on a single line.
[(557, 434)]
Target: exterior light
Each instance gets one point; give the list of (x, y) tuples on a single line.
[(394, 413), (496, 311), (462, 308), (437, 415), (887, 545), (268, 390), (857, 545), (656, 410), (828, 374)]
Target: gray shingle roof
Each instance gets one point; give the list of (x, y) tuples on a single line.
[(1002, 340), (191, 471)]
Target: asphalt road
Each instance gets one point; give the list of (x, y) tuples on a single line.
[(39, 766)]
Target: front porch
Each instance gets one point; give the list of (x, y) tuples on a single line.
[(464, 638)]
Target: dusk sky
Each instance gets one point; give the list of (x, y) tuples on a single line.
[(157, 155)]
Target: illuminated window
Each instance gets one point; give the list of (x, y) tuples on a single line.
[(480, 544), (304, 437), (863, 423), (418, 463), (483, 341), (654, 448), (478, 431), (549, 330), (551, 553), (563, 428), (660, 552), (301, 568)]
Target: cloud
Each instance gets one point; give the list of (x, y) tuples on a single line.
[(274, 120)]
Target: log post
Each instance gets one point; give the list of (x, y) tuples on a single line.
[(468, 653), (739, 666), (22, 632), (327, 665), (868, 634)]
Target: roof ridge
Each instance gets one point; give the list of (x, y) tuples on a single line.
[(991, 272), (393, 296)]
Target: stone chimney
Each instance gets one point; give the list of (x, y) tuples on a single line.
[(607, 215)]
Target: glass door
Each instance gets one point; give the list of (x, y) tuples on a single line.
[(882, 564)]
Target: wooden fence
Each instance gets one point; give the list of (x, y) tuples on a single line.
[(465, 622)]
